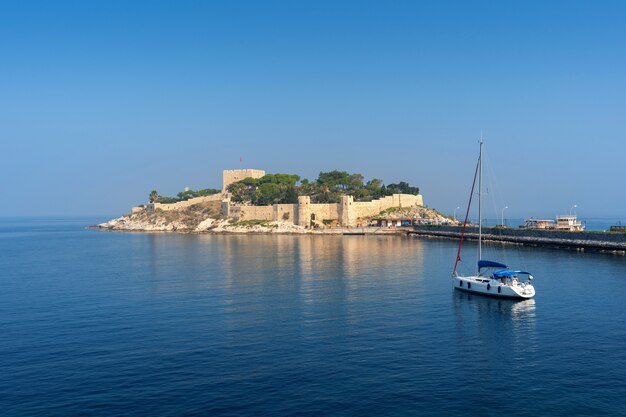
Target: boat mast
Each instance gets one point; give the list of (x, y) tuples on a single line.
[(480, 200), (467, 212)]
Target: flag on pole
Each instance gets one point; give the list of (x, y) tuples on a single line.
[(240, 158)]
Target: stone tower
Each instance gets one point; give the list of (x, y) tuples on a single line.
[(230, 176), (346, 213), (304, 211)]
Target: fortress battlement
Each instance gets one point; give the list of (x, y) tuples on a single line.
[(345, 213), (230, 176)]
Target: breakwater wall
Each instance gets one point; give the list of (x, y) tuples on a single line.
[(581, 241)]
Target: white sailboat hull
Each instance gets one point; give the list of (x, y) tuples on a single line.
[(494, 287)]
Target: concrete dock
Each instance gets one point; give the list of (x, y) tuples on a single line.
[(581, 241)]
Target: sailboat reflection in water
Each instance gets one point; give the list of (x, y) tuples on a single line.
[(492, 278)]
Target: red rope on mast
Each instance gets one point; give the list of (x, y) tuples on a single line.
[(458, 254)]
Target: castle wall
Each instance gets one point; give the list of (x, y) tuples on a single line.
[(252, 212), (372, 208), (286, 213), (320, 212), (233, 175), (347, 213)]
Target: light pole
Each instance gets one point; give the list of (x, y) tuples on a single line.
[(455, 212), (505, 207), (571, 209)]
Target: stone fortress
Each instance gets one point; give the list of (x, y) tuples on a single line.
[(347, 212)]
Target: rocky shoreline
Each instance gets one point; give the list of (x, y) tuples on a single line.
[(205, 217), (223, 226)]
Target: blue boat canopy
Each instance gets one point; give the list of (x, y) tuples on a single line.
[(490, 264), (509, 273)]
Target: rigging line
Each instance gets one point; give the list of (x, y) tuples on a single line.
[(458, 254), (493, 192), (498, 202), (504, 252)]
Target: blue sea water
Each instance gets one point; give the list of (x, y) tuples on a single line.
[(101, 323)]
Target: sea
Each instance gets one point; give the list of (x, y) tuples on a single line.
[(123, 324)]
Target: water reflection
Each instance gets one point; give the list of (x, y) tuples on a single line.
[(312, 259), (251, 278), (506, 327), (481, 306), (315, 277)]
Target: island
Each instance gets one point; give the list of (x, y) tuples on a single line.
[(252, 201)]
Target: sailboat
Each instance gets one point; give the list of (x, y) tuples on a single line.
[(491, 278)]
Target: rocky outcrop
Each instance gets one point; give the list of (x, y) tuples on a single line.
[(205, 218), (417, 213), (134, 223), (195, 220)]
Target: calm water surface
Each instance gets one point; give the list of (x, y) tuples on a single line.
[(162, 324)]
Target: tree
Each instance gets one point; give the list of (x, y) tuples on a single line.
[(355, 181), (249, 181), (207, 191), (291, 196), (402, 188), (328, 188), (240, 192), (154, 196), (186, 195), (267, 194), (167, 200), (334, 179)]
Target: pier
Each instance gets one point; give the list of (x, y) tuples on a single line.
[(580, 241)]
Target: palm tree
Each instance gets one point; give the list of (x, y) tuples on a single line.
[(154, 196)]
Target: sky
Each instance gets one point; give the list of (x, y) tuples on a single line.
[(101, 102)]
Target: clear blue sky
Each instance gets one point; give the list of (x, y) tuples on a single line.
[(100, 102)]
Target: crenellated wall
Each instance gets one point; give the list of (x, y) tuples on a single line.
[(365, 209), (230, 176), (347, 212)]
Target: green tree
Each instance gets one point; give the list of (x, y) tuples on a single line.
[(402, 188), (291, 196), (167, 200), (185, 195), (250, 182), (355, 182), (328, 188), (267, 194), (334, 179), (240, 192), (154, 196), (207, 191)]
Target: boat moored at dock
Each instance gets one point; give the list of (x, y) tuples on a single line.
[(566, 222)]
